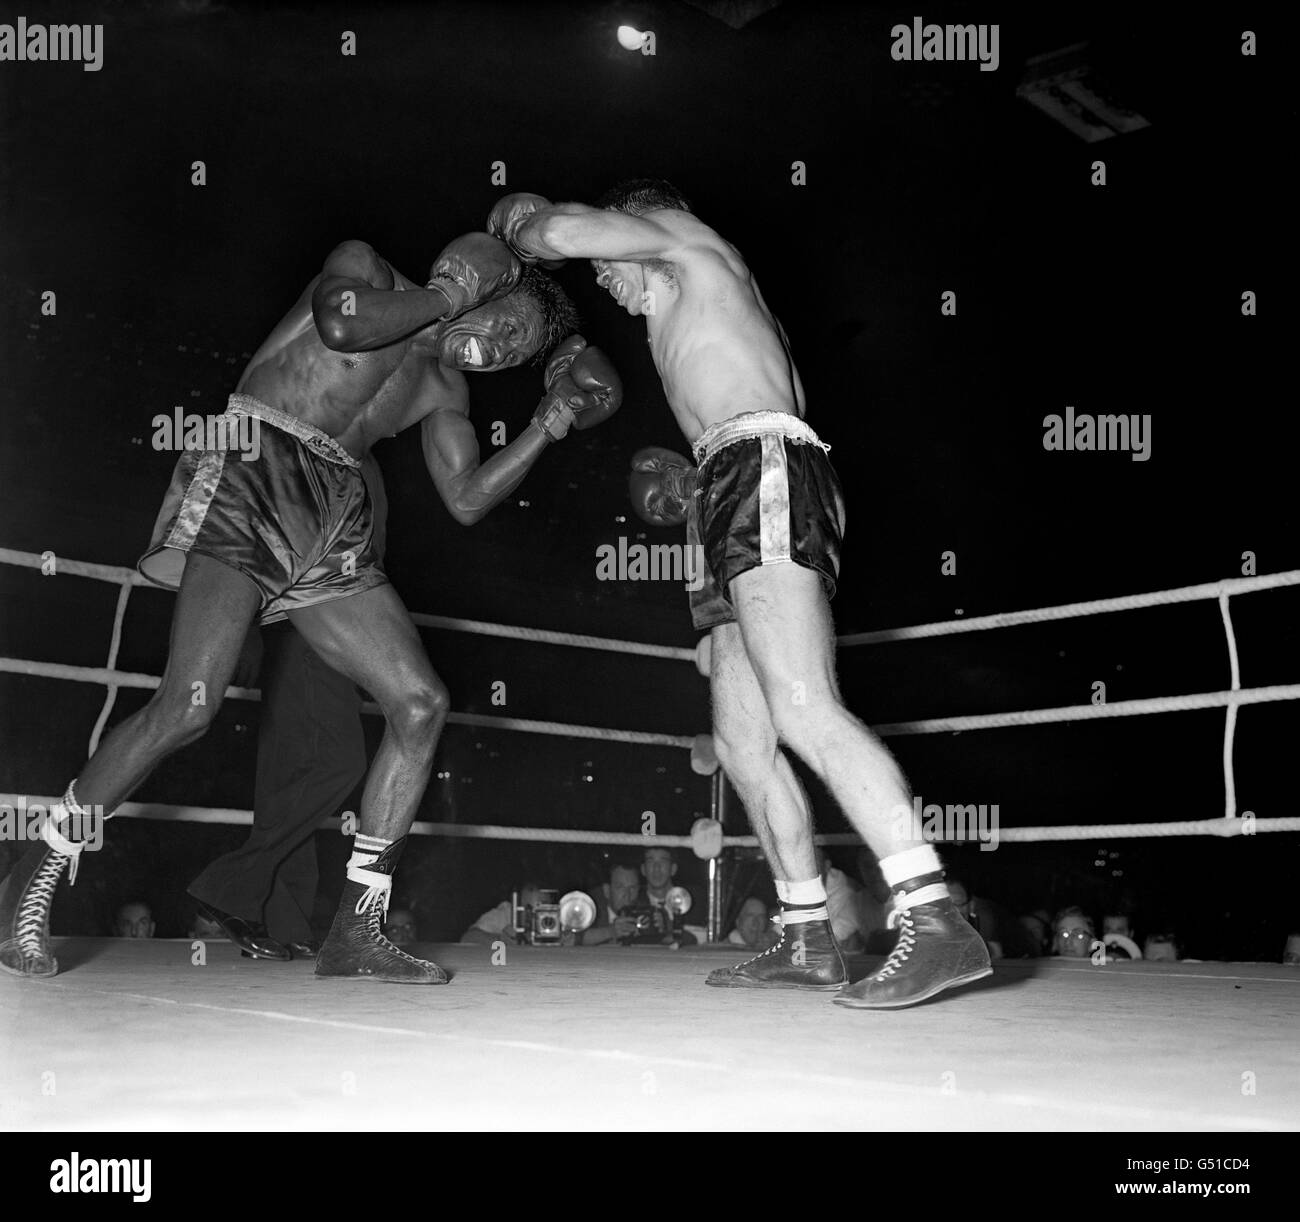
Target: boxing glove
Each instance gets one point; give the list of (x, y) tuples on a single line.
[(582, 389), (472, 269), (661, 486), (510, 213)]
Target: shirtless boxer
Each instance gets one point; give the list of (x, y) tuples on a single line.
[(364, 353), (767, 508)]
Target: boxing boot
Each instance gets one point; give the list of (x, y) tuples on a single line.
[(26, 896), (356, 947), (806, 957), (937, 949)]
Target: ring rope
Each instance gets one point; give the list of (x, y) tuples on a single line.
[(548, 637), (1006, 619), (1042, 615), (115, 574), (1093, 712), (119, 575), (115, 641), (1230, 718), (935, 725)]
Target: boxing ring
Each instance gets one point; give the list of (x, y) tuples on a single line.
[(131, 1035)]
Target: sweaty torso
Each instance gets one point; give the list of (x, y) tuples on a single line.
[(357, 398), (716, 345)]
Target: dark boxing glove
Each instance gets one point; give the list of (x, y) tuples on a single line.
[(510, 213), (661, 486), (582, 389), (474, 268)]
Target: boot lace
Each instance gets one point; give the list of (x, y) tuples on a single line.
[(763, 954), (374, 905), (34, 911), (902, 919)]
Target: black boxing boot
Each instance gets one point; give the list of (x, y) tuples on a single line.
[(26, 896), (806, 957), (356, 947), (937, 949)]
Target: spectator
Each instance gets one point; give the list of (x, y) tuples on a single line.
[(498, 924), (755, 926), (1291, 955), (1117, 933), (659, 869), (134, 920), (399, 928), (1038, 929), (204, 928), (1162, 948), (1117, 922), (1073, 934), (1005, 937), (618, 893), (1120, 947)]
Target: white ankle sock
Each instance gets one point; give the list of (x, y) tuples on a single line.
[(802, 901), (811, 891), (899, 868), (366, 850)]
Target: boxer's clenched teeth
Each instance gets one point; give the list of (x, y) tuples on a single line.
[(471, 354), (614, 285)]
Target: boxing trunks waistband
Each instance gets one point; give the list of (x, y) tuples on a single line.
[(749, 425), (319, 443)]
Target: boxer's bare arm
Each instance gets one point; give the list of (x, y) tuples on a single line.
[(359, 306), (577, 231), (469, 488)]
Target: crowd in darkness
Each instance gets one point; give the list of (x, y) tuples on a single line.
[(632, 909)]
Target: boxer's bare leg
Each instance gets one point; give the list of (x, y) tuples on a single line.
[(806, 957), (214, 608), (369, 637), (786, 625), (750, 754)]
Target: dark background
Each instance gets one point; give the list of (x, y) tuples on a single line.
[(921, 177)]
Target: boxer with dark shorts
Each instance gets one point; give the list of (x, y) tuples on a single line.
[(285, 528), (283, 521), (765, 509), (767, 494), (311, 750)]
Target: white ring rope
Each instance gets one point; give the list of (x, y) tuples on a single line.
[(1230, 700), (982, 623), (120, 575), (935, 725), (1042, 615), (1230, 719), (547, 637), (114, 643), (1092, 712), (115, 574)]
